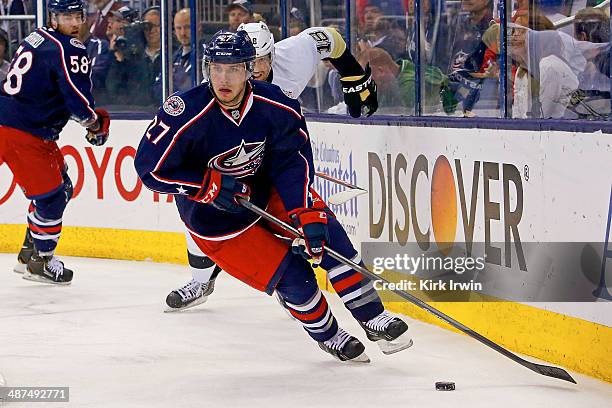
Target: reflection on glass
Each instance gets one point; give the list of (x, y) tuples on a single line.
[(460, 61), (558, 76)]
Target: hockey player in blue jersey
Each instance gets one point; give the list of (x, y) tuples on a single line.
[(290, 64), (47, 84), (232, 137)]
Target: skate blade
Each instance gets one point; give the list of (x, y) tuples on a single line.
[(394, 346), (196, 302), (19, 268), (360, 359), (35, 278)]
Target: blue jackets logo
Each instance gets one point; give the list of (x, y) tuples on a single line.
[(239, 161)]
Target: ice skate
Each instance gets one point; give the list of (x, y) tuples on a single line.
[(47, 269), (193, 293), (389, 332), (27, 249), (345, 347)]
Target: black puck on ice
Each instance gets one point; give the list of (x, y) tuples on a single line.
[(445, 386)]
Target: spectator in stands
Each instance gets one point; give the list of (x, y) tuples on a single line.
[(369, 15), (544, 81), (592, 29), (100, 57), (396, 83), (17, 30), (181, 60), (376, 16), (297, 23), (4, 63), (99, 23), (392, 37), (434, 34), (238, 12), (133, 72), (593, 25), (465, 37)]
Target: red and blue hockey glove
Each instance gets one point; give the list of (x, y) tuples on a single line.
[(312, 223), (222, 191), (97, 134), (360, 94)]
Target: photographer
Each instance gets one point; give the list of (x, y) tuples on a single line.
[(136, 62)]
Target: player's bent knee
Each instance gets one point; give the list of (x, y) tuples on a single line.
[(299, 283)]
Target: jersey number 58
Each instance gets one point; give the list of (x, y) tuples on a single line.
[(76, 67), (14, 78)]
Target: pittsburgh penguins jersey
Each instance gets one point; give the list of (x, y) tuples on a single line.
[(296, 58), (47, 84), (264, 143)]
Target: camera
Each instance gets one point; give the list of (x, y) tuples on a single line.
[(132, 43)]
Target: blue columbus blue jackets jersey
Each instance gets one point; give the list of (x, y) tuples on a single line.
[(47, 84), (265, 145)]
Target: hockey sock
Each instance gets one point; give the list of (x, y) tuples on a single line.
[(203, 269), (45, 221), (356, 291), (316, 317)]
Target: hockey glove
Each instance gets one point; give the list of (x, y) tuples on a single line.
[(360, 94), (312, 223), (222, 192), (97, 134)]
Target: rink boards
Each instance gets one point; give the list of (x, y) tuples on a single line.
[(545, 186)]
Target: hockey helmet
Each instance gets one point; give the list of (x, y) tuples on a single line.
[(227, 47), (65, 6), (261, 37)]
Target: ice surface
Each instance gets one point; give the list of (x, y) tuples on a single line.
[(107, 338)]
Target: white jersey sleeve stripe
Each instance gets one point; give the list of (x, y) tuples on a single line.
[(76, 90)]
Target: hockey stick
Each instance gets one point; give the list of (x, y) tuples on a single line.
[(345, 195), (549, 371)]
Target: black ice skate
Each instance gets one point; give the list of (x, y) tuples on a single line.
[(47, 269), (345, 347), (27, 249), (193, 293), (389, 332)]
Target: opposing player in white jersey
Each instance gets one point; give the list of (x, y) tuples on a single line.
[(290, 64)]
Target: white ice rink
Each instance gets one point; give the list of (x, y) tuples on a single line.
[(107, 339)]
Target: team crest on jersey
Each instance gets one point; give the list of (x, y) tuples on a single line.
[(76, 43), (34, 39), (174, 106), (239, 161)]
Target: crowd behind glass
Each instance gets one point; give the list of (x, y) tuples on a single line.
[(556, 67)]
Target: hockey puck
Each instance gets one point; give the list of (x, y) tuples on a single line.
[(445, 386)]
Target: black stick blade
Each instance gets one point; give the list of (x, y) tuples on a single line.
[(555, 372)]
